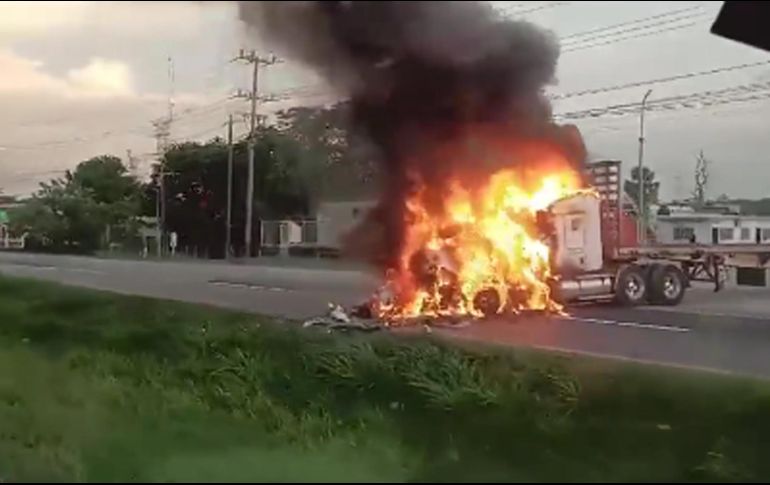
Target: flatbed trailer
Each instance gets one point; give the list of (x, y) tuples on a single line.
[(701, 262)]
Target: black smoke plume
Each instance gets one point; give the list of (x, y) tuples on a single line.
[(427, 81)]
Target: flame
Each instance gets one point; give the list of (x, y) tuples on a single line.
[(483, 247)]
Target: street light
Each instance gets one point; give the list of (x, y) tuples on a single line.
[(642, 236)]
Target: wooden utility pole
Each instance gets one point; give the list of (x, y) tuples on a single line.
[(251, 57), (163, 140), (228, 234)]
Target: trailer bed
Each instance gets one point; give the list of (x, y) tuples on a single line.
[(743, 255), (701, 262)]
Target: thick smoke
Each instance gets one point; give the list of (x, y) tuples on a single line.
[(424, 78)]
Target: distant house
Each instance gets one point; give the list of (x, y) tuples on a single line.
[(687, 226), (713, 224), (4, 229), (6, 240)]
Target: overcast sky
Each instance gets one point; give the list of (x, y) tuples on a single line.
[(79, 79)]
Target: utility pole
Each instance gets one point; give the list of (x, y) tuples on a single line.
[(228, 235), (161, 144), (642, 236), (162, 137), (256, 61)]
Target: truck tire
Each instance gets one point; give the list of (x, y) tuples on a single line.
[(631, 286), (667, 285)]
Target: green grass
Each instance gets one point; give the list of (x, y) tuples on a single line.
[(101, 387)]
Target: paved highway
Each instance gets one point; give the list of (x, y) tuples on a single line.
[(729, 331)]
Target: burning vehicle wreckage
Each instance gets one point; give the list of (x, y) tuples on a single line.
[(487, 254), (450, 96)]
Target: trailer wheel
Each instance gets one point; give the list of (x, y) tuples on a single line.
[(631, 286), (667, 285)]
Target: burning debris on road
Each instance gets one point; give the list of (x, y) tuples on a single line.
[(338, 319), (451, 95)]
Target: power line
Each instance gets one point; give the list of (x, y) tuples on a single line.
[(141, 130), (208, 130), (619, 33), (631, 22), (741, 93), (740, 108), (621, 39), (309, 91), (511, 11), (661, 80)]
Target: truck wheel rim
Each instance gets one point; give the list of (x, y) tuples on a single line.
[(634, 287), (671, 287)]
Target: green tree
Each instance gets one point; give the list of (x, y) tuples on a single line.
[(651, 187), (309, 154), (61, 217), (196, 188), (340, 163), (107, 182), (72, 213)]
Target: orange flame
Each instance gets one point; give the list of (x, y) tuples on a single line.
[(483, 251)]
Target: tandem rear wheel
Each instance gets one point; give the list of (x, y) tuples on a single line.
[(631, 286), (657, 284), (667, 284)]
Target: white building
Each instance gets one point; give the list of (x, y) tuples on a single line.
[(706, 228), (687, 226)]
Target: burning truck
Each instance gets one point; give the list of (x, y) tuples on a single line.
[(486, 206), (520, 243), (534, 240)]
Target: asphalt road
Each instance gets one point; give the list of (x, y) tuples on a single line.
[(728, 331)]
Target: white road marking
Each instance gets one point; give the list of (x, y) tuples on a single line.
[(636, 360), (29, 266), (83, 270), (233, 284), (52, 268), (707, 313), (648, 326)]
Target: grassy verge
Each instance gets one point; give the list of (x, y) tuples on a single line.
[(101, 387)]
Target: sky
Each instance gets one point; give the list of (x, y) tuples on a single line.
[(79, 79)]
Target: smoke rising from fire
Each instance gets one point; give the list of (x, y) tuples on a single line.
[(440, 88)]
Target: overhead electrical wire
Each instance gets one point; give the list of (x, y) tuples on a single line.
[(610, 35), (725, 109), (630, 22), (511, 11), (652, 25), (734, 94), (661, 80), (142, 130), (576, 41), (629, 37)]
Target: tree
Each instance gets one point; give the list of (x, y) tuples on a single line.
[(61, 217), (701, 179), (73, 213), (650, 188), (339, 163), (196, 188)]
